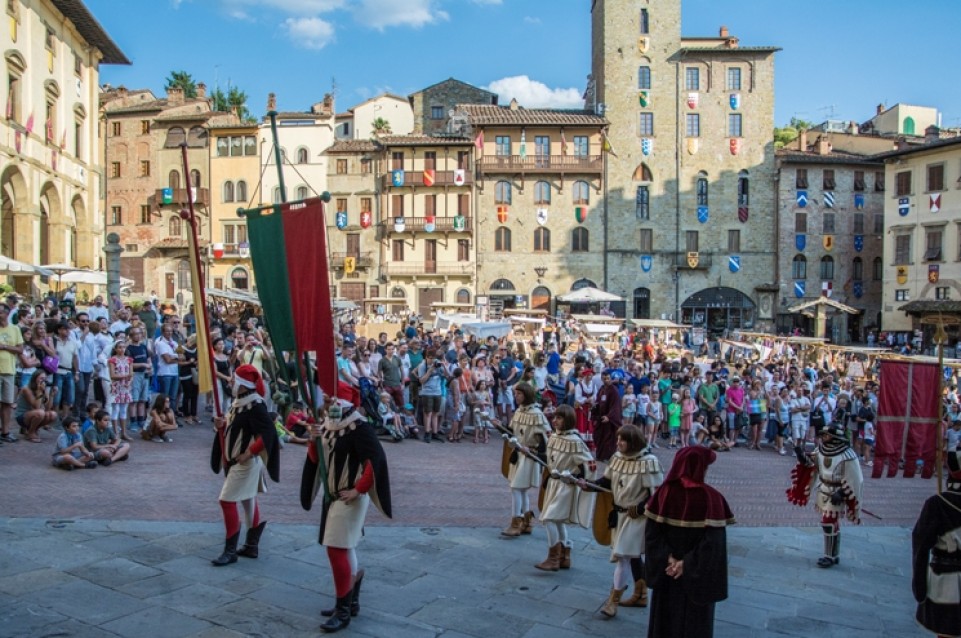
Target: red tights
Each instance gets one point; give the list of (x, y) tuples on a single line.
[(232, 520), (340, 566)]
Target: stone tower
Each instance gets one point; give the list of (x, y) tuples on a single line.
[(691, 179)]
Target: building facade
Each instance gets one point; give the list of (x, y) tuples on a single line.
[(433, 106), (357, 123), (690, 182), (50, 155)]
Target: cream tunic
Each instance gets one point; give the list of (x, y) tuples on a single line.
[(564, 503), (344, 522), (528, 424), (633, 480)]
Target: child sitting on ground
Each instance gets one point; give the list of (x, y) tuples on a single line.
[(389, 419), (699, 433), (70, 451), (409, 423), (298, 423), (92, 408)]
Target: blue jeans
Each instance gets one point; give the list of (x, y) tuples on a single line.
[(63, 382), (169, 385), (83, 386)]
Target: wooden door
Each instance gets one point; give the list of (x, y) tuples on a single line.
[(430, 256), (169, 282), (427, 296), (353, 291), (353, 245)]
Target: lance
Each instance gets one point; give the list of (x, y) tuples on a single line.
[(569, 478), (514, 443)]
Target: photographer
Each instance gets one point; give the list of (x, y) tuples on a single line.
[(431, 375)]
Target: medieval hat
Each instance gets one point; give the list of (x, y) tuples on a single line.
[(835, 430), (249, 377)]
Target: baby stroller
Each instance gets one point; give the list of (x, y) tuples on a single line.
[(369, 401)]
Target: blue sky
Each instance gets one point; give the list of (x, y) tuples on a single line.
[(840, 59)]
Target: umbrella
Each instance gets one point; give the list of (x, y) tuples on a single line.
[(13, 267), (588, 295), (92, 277), (60, 270)]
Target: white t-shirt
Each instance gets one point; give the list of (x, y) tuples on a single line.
[(165, 347), (800, 418), (96, 313)]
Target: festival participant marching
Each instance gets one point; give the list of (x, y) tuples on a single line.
[(936, 552), (530, 428), (608, 418), (246, 442), (632, 475), (347, 463), (568, 459), (836, 475)]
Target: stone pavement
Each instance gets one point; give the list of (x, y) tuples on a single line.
[(94, 578)]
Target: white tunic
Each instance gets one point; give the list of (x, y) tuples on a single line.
[(528, 424), (566, 503), (633, 480)]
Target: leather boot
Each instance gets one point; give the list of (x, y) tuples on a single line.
[(230, 552), (341, 618), (528, 525), (514, 529), (553, 561), (354, 598), (832, 547), (565, 556), (609, 609), (639, 597), (249, 550)]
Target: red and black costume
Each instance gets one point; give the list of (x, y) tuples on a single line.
[(687, 526)]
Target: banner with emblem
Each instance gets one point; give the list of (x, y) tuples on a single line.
[(502, 213), (460, 176), (693, 258), (541, 216), (644, 98), (167, 196), (859, 201), (703, 214), (350, 265), (828, 242), (646, 262), (366, 219), (827, 288), (430, 223), (934, 202), (742, 214), (735, 101), (692, 100), (934, 273), (735, 145), (734, 263), (647, 146), (902, 274), (799, 287), (460, 223), (859, 243), (858, 289), (580, 214), (400, 224), (693, 144), (829, 199), (341, 218), (429, 176), (904, 206), (802, 199), (800, 241), (397, 177)]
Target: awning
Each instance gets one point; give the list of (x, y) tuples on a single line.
[(16, 268), (588, 295)]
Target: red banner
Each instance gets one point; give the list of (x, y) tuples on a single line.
[(908, 412)]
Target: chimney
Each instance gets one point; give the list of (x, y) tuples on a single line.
[(724, 33), (271, 102), (880, 109), (122, 91), (932, 134), (853, 128), (175, 96), (824, 145), (201, 90), (802, 140), (514, 105), (328, 103)]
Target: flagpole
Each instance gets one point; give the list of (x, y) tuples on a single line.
[(202, 324)]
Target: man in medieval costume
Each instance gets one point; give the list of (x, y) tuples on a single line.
[(530, 429), (936, 545), (607, 418), (834, 473), (345, 462)]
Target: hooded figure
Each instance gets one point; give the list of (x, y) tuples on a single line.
[(686, 547)]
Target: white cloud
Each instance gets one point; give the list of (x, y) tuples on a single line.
[(309, 33), (532, 20), (380, 14), (534, 94)]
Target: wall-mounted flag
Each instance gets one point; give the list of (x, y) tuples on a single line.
[(800, 240), (859, 201), (397, 177), (828, 242), (429, 176), (580, 214), (703, 214), (341, 218), (541, 216), (735, 101), (934, 273), (366, 219), (904, 206), (742, 214), (430, 223), (827, 288), (647, 146), (350, 265), (935, 202), (828, 199), (902, 274), (858, 243), (167, 196), (460, 176), (693, 258), (218, 251), (644, 98), (734, 263), (693, 144), (646, 262), (400, 224), (799, 289), (460, 223), (858, 289), (802, 199), (502, 213), (735, 145), (692, 100)]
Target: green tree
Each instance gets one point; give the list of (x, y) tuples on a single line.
[(234, 98), (182, 80), (784, 135), (380, 126)]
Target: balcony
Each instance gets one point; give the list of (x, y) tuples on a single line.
[(179, 198), (414, 269), (703, 261), (534, 164), (416, 224), (363, 261), (416, 178)]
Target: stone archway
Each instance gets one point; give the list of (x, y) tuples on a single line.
[(13, 205), (53, 221)]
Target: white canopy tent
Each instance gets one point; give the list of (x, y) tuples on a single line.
[(588, 295), (16, 268)]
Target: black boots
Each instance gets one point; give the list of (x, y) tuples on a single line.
[(230, 552), (249, 550), (341, 618), (832, 547), (354, 598)]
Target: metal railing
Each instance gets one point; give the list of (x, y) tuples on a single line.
[(541, 163), (441, 224), (412, 269)]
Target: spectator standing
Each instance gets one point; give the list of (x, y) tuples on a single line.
[(188, 380), (98, 311), (121, 380), (139, 352), (68, 369), (168, 373)]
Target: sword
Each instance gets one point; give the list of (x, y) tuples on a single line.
[(871, 514), (514, 443), (568, 478)]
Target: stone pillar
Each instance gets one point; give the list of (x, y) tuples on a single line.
[(113, 250)]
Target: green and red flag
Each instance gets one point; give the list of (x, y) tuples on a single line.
[(288, 247), (580, 214)]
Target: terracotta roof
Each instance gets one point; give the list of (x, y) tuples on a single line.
[(142, 107), (487, 115), (924, 306), (300, 115), (728, 50), (423, 140), (353, 146), (920, 148), (834, 157), (91, 31)]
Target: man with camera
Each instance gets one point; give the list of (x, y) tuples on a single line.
[(431, 375)]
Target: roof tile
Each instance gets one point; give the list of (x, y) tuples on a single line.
[(488, 115)]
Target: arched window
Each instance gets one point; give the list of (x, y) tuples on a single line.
[(827, 267), (502, 192), (175, 137), (579, 240), (642, 202), (175, 227), (242, 191), (702, 189), (542, 193), (743, 189), (502, 240), (195, 178), (276, 198), (582, 283), (799, 267), (644, 77), (197, 137), (909, 126), (643, 173), (239, 278), (581, 193), (642, 303), (228, 192), (502, 284), (303, 156), (173, 179), (542, 240), (877, 269), (463, 296), (857, 269), (183, 274), (302, 192)]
